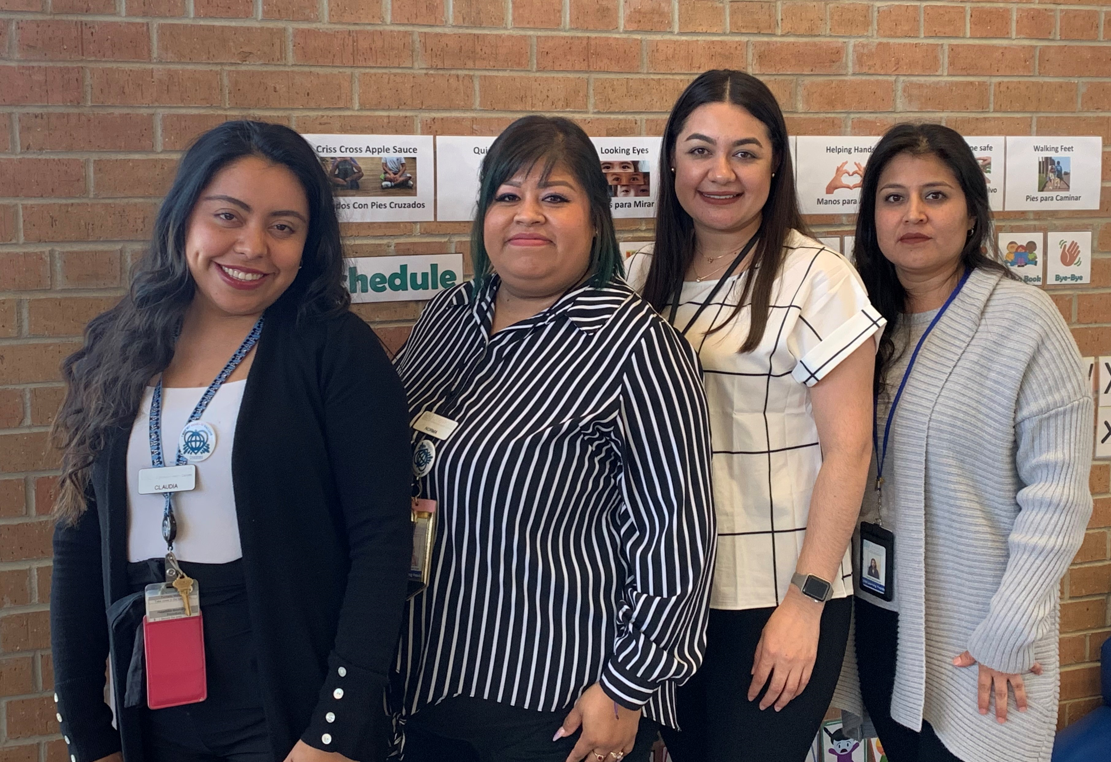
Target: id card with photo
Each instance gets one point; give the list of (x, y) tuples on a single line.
[(877, 561)]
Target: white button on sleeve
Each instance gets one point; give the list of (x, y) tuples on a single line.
[(338, 693), (342, 671), (330, 717), (326, 738)]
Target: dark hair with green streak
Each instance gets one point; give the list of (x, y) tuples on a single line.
[(548, 141)]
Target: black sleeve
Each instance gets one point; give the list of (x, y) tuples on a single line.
[(367, 429), (79, 639)]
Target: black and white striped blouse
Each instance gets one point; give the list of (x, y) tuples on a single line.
[(576, 533)]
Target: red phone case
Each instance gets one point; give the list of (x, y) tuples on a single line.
[(175, 662)]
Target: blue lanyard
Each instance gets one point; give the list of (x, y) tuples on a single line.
[(881, 455), (169, 522)]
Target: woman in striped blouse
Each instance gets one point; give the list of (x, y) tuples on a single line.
[(561, 428)]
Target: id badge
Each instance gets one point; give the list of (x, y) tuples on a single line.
[(877, 561), (424, 532), (173, 647), (155, 481)]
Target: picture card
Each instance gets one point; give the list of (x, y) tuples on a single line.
[(1024, 253), (630, 166), (1068, 258), (991, 157), (829, 172), (458, 162), (1053, 173)]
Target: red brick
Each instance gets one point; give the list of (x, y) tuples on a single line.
[(613, 94), (13, 498), (355, 11), (25, 540), (97, 268), (489, 13), (213, 43), (474, 51), (989, 22), (1075, 61), (107, 221), (40, 85), (752, 18), (11, 405), (160, 8), (706, 16), (291, 10), (647, 15), (695, 56), (848, 94), (1078, 25), (1073, 649), (38, 178), (56, 131), (800, 18), (132, 178), (417, 11), (850, 19), (55, 751), (390, 124), (418, 91), (991, 60), (65, 316), (943, 21), (15, 590), (45, 403), (1083, 615), (180, 130), (1035, 95), (588, 53), (25, 753), (517, 93), (462, 125), (393, 336), (896, 58), (9, 323), (34, 6), (277, 89), (1090, 580), (361, 47), (7, 223), (1063, 303), (1095, 96), (945, 95), (1094, 308), (897, 21), (156, 87), (1079, 682), (58, 40), (1034, 23), (44, 576), (1095, 643), (1094, 547), (25, 451), (591, 14), (17, 675), (24, 270), (810, 57), (990, 125), (1076, 125), (45, 492), (1101, 506), (537, 14), (1092, 341), (31, 717), (29, 631), (223, 9), (1075, 710)]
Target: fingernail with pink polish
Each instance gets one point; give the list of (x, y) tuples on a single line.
[(558, 735)]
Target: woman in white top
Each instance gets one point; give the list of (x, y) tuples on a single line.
[(784, 330)]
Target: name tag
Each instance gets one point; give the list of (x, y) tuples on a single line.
[(435, 425), (155, 481)]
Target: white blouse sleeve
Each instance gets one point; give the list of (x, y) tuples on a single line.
[(835, 318)]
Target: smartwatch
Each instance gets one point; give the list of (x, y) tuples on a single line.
[(813, 587)]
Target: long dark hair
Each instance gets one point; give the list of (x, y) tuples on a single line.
[(547, 141), (980, 250), (674, 249), (132, 342)]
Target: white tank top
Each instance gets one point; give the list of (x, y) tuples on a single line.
[(207, 528)]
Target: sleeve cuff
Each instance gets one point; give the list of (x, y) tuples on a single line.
[(989, 648), (88, 738), (350, 701), (627, 690), (823, 358)]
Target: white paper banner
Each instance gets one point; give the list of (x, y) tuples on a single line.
[(1024, 253), (1103, 432), (630, 166), (402, 279), (830, 172), (1053, 173), (1068, 258), (990, 155), (458, 161), (379, 178)]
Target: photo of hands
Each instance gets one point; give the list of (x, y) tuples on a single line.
[(840, 177)]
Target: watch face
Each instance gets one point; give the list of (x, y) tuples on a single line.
[(816, 588)]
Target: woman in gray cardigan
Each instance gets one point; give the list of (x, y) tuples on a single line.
[(983, 447)]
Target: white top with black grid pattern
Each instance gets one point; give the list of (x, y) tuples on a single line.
[(766, 454)]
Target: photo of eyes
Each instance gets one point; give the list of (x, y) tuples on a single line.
[(372, 175), (628, 179)]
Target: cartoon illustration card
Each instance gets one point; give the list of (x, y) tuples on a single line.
[(1068, 258), (990, 156), (1024, 253)]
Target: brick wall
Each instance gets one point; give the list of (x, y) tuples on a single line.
[(98, 98)]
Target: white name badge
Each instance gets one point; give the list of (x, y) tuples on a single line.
[(435, 425), (155, 481)]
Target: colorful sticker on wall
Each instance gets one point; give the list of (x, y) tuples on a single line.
[(1068, 258), (830, 173), (458, 161), (990, 156), (630, 166), (378, 178), (1053, 173), (1024, 253), (402, 279)]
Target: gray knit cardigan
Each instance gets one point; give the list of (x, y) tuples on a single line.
[(991, 448)]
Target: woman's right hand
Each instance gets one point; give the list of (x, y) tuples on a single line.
[(992, 682)]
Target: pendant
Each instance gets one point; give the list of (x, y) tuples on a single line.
[(197, 441), (423, 458)]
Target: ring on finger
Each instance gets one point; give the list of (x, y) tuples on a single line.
[(599, 757), (617, 754)]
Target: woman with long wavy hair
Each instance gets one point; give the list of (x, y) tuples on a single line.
[(255, 509)]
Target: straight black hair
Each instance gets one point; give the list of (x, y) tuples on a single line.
[(674, 249), (134, 341), (547, 141), (878, 273)]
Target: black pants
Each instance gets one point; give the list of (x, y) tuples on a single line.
[(473, 730), (230, 723), (877, 632), (720, 724)]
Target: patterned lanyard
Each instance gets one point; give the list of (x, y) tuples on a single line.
[(169, 522)]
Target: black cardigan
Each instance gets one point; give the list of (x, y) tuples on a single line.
[(321, 472)]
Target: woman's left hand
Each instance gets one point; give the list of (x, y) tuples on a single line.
[(302, 752), (787, 650), (609, 731), (993, 682)]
